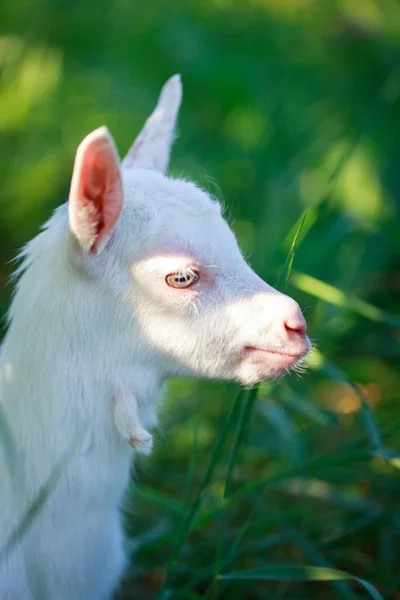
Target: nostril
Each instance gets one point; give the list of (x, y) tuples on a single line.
[(297, 326)]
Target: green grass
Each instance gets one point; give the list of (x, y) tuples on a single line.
[(291, 116)]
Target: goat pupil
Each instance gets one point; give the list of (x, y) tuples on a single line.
[(183, 278)]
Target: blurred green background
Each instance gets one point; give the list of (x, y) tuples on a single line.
[(288, 105)]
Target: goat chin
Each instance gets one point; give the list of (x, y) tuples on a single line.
[(136, 279), (258, 365)]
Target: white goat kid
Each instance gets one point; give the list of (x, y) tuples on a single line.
[(137, 279)]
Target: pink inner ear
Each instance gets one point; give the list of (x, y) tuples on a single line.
[(96, 197)]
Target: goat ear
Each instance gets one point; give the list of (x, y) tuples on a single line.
[(152, 147), (96, 195)]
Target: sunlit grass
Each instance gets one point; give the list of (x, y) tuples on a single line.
[(29, 75), (332, 295)]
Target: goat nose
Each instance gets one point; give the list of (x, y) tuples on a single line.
[(294, 321), (298, 326)]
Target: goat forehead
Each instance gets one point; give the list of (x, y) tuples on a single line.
[(163, 195), (206, 231), (177, 217)]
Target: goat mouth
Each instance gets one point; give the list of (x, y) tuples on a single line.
[(285, 359)]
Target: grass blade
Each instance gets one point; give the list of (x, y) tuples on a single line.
[(300, 573), (192, 465), (219, 447), (332, 295), (156, 498), (287, 268), (293, 400), (249, 399), (313, 466), (309, 550), (334, 372), (280, 420)]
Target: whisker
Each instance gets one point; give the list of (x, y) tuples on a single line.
[(304, 308)]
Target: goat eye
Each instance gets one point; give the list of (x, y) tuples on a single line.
[(182, 279)]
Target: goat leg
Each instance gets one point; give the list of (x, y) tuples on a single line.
[(128, 423)]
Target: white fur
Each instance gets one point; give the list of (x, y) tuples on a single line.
[(92, 338)]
